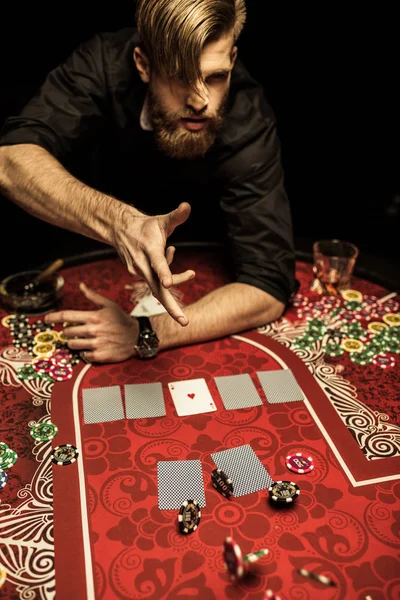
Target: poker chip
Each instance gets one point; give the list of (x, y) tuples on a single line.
[(61, 372), (233, 559), (3, 576), (299, 463), (305, 313), (222, 483), (27, 373), (269, 595), (43, 350), (8, 459), (353, 305), (13, 320), (283, 492), (352, 345), (3, 479), (351, 295), (320, 578), (44, 432), (364, 314), (369, 302), (3, 449), (299, 300), (383, 361), (334, 349), (376, 326), (62, 337), (390, 305), (189, 516), (64, 455), (392, 319), (379, 313), (330, 301), (361, 358), (46, 337), (319, 308), (348, 316), (42, 365)]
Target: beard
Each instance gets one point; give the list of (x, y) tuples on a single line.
[(177, 142)]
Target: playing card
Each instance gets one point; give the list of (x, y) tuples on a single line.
[(280, 386), (102, 404), (237, 391), (148, 306), (244, 468), (143, 400), (191, 397), (179, 480)]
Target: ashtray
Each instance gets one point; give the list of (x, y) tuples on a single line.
[(42, 298)]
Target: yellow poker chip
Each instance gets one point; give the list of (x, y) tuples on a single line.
[(46, 337), (3, 576), (352, 295), (62, 337), (351, 345), (43, 350), (6, 320), (392, 319), (377, 326)]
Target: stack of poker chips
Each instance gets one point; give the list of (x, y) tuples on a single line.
[(51, 358), (362, 326)]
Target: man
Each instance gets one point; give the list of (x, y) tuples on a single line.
[(162, 110)]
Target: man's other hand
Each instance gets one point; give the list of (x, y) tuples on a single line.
[(106, 335)]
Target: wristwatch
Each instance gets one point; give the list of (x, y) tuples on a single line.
[(147, 344)]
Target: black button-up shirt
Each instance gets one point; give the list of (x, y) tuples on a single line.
[(87, 114)]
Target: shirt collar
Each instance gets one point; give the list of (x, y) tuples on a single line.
[(145, 121)]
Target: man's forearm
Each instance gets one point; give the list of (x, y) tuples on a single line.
[(230, 309), (32, 178)]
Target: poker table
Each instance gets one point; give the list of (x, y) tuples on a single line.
[(93, 529)]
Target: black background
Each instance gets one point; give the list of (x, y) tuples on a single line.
[(330, 77)]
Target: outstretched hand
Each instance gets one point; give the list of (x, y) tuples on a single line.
[(141, 244), (106, 335)]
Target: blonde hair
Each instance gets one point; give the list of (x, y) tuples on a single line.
[(173, 32)]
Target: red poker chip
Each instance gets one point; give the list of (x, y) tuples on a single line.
[(390, 305), (233, 558), (299, 463), (299, 300), (369, 302), (380, 312), (62, 357), (42, 365), (383, 361), (306, 313), (331, 302), (61, 372), (365, 314), (319, 308), (348, 316)]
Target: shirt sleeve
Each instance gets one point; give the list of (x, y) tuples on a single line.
[(257, 211), (69, 107)]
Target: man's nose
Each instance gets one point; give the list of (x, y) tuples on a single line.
[(197, 101)]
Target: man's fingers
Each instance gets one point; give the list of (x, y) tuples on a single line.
[(169, 255), (95, 297), (79, 331), (72, 316), (82, 344), (182, 277), (159, 264), (177, 217), (165, 297)]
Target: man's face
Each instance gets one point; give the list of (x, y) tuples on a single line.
[(186, 123)]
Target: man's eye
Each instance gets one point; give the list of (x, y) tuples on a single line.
[(218, 77)]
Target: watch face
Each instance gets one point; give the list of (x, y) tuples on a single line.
[(148, 344)]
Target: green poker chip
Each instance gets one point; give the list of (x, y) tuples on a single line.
[(27, 372), (353, 305), (44, 432), (3, 450), (8, 460), (361, 358), (334, 349)]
